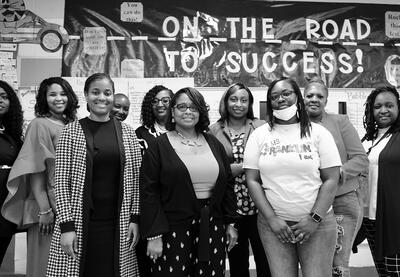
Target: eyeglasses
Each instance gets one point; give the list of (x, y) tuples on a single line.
[(285, 94), (183, 108), (163, 100)]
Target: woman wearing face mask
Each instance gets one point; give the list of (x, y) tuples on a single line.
[(11, 121), (31, 201), (298, 164), (97, 195), (154, 114), (346, 206), (233, 129), (382, 141)]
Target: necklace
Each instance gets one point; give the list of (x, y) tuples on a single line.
[(189, 142), (235, 133)]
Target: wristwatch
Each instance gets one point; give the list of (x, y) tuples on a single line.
[(316, 217)]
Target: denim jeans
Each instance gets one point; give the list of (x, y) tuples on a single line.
[(315, 255), (348, 212)]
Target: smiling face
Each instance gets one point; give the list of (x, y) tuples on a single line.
[(4, 102), (185, 113), (57, 99), (315, 99), (282, 95), (386, 109), (238, 104), (99, 97), (120, 109), (160, 105)]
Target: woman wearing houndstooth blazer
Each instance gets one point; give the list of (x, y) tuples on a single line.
[(97, 193)]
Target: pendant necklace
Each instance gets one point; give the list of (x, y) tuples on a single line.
[(189, 142)]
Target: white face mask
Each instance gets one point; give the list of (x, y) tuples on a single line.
[(286, 113)]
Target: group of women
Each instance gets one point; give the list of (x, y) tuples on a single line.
[(184, 194)]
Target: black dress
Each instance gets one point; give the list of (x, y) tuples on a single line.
[(8, 154), (101, 257)]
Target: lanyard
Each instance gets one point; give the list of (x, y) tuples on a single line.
[(386, 134)]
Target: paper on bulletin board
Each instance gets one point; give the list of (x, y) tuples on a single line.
[(8, 63), (132, 12), (135, 89), (132, 68), (94, 41), (27, 97), (392, 24), (355, 108)]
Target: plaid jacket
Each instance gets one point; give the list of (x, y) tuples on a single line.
[(70, 176)]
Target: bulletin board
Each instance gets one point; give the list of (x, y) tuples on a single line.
[(219, 42)]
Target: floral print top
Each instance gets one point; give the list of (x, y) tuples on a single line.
[(245, 204)]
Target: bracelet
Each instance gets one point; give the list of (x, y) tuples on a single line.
[(233, 226), (45, 212), (154, 238)]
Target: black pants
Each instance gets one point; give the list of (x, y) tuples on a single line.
[(238, 256), (143, 260), (4, 242), (390, 265)]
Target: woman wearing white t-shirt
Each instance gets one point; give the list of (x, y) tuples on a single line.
[(292, 171)]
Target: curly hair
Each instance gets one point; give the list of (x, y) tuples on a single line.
[(42, 107), (13, 120), (198, 100), (305, 124), (223, 104), (369, 122), (147, 116)]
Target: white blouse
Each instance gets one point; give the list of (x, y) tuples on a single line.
[(377, 146)]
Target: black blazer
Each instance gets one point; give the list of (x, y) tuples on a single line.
[(167, 196)]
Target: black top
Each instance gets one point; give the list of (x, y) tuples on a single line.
[(387, 239), (8, 154), (106, 170), (167, 196), (146, 136)]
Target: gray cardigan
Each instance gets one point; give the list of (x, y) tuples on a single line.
[(352, 153), (221, 132)]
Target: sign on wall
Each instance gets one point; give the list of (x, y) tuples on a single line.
[(221, 42)]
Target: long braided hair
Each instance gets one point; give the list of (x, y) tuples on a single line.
[(369, 122)]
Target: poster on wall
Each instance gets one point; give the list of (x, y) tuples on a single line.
[(221, 42), (20, 25), (8, 63)]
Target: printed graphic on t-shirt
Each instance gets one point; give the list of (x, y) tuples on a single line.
[(273, 148)]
